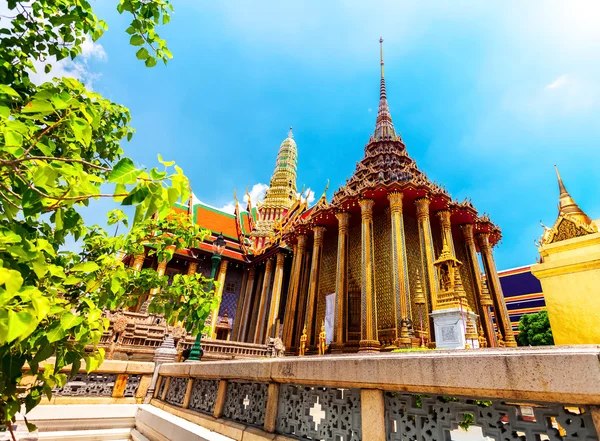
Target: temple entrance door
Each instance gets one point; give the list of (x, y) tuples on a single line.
[(353, 319)]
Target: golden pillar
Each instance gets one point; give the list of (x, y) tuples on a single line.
[(219, 293), (444, 217), (261, 322), (313, 286), (400, 286), (484, 312), (288, 328), (276, 296), (493, 280), (160, 269), (192, 267), (302, 295), (239, 307), (245, 312), (341, 283), (427, 259), (138, 262), (368, 341)]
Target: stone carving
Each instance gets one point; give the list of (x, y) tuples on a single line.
[(426, 418), (246, 403), (87, 385), (204, 395), (176, 392), (275, 347), (133, 382), (319, 413)]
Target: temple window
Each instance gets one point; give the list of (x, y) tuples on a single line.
[(230, 287)]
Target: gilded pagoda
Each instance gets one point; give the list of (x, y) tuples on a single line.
[(392, 261)]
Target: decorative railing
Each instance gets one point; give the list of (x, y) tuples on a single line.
[(136, 336), (114, 381), (505, 394)]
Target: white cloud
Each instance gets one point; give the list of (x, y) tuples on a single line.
[(559, 82), (78, 68), (310, 196), (257, 194)]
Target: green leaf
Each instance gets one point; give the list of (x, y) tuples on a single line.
[(166, 18), (41, 305), (69, 320), (8, 91), (38, 106), (55, 333), (93, 362), (137, 195), (142, 54), (4, 111), (124, 172), (82, 130), (11, 279), (19, 325), (40, 267), (165, 163), (150, 61), (87, 267), (136, 40), (13, 139)]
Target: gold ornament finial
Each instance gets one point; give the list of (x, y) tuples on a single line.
[(290, 133), (419, 297), (381, 54), (567, 205)]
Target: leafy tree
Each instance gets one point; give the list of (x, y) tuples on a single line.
[(534, 330), (60, 147)]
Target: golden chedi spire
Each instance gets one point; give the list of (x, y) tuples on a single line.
[(384, 127), (282, 188), (567, 205), (571, 222)]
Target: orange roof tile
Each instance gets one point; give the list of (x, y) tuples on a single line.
[(216, 221)]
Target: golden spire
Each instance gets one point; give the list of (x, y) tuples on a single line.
[(381, 54), (567, 205), (384, 128)]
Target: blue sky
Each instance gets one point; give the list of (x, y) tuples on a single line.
[(486, 98)]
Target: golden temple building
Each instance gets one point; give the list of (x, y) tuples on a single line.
[(569, 271), (392, 261)]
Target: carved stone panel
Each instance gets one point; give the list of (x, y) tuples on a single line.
[(319, 413), (246, 403), (204, 395), (133, 382), (176, 392), (87, 385), (163, 382), (427, 418)]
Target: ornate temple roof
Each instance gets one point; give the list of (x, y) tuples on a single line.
[(571, 222)]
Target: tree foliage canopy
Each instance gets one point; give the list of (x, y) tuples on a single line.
[(60, 148), (534, 330)]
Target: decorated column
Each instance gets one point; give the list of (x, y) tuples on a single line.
[(138, 262), (400, 286), (368, 341), (245, 311), (263, 309), (493, 280), (481, 297), (444, 217), (288, 328), (341, 283), (427, 252), (313, 285), (219, 293), (276, 296), (160, 269)]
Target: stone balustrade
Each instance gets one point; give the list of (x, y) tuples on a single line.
[(114, 381), (533, 393)]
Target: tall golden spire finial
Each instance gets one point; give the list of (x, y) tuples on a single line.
[(384, 128), (381, 54), (290, 133), (566, 203)]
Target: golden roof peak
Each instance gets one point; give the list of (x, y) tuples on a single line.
[(567, 205)]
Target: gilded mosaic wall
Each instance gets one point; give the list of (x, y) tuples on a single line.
[(328, 273), (465, 273), (413, 255), (231, 291), (354, 277), (382, 226)]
